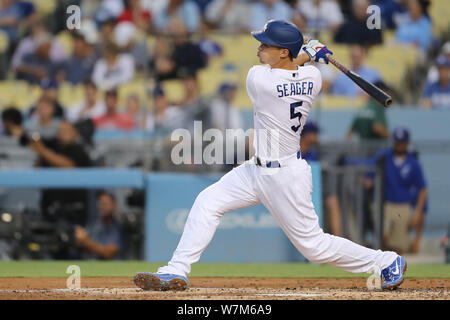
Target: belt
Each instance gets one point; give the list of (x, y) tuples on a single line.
[(273, 163)]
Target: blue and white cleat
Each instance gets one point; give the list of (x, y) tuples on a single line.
[(393, 275), (161, 281)]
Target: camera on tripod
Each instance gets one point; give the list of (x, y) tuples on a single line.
[(31, 237)]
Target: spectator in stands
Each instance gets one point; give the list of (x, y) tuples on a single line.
[(136, 14), (49, 89), (437, 94), (403, 182), (228, 15), (224, 114), (262, 11), (134, 110), (184, 10), (433, 74), (308, 143), (126, 36), (179, 59), (108, 10), (10, 18), (43, 121), (103, 239), (165, 116), (79, 67), (62, 151), (113, 119), (392, 11), (342, 85), (38, 65), (11, 118), (416, 28), (370, 122), (27, 45), (354, 30), (320, 14), (90, 108), (114, 68), (106, 36)]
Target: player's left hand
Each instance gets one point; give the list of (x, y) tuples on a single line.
[(317, 51)]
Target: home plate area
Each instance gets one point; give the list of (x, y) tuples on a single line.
[(223, 289)]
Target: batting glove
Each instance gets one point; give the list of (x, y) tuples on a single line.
[(317, 51)]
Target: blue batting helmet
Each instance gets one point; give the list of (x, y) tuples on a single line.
[(281, 34)]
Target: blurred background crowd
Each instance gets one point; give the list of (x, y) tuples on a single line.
[(110, 92)]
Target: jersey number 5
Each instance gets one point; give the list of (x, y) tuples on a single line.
[(296, 114)]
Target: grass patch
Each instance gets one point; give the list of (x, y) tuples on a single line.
[(32, 269)]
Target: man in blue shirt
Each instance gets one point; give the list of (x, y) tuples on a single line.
[(404, 191), (437, 94), (416, 28), (342, 85), (103, 239)]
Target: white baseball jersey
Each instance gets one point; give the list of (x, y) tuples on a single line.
[(282, 100)]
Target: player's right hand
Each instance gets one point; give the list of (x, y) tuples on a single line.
[(317, 51)]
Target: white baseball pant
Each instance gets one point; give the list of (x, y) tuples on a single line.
[(286, 193)]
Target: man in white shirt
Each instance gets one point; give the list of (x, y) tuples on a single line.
[(89, 108)]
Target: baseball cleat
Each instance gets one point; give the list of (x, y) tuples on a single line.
[(161, 281), (393, 275)]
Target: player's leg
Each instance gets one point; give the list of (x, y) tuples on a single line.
[(233, 191), (290, 203)]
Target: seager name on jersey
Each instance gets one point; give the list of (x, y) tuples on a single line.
[(295, 88)]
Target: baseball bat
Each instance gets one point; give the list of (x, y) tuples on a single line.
[(379, 95)]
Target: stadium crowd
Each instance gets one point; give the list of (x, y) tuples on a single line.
[(106, 54), (163, 40)]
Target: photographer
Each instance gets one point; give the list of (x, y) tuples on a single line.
[(102, 240), (63, 151)]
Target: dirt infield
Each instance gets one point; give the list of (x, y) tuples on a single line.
[(222, 288)]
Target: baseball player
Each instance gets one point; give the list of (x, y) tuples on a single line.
[(282, 92)]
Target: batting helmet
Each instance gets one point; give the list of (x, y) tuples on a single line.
[(281, 34)]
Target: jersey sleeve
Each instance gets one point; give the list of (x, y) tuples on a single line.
[(250, 83)]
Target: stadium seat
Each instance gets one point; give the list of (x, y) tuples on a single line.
[(339, 102), (173, 89), (65, 39), (18, 93), (440, 13), (4, 42), (136, 87), (44, 7), (69, 94)]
